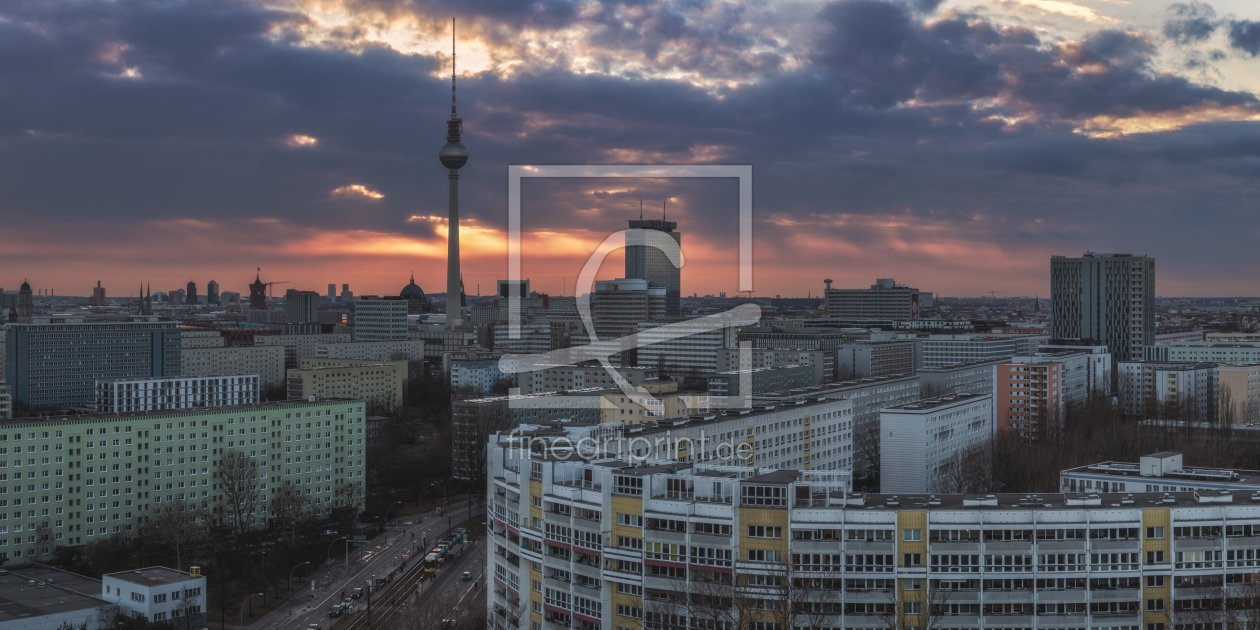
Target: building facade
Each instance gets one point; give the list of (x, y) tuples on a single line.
[(958, 378), (380, 319), (134, 464), (924, 444), (56, 361), (821, 361), (160, 595), (212, 293), (1105, 298), (373, 381), (1238, 384), (1157, 472), (884, 300), (759, 380), (696, 352), (406, 350), (1029, 399), (622, 304), (298, 347), (612, 545), (265, 361), (553, 378), (301, 307), (159, 394), (475, 376), (652, 265), (1166, 389), (1204, 352), (876, 358), (947, 349)]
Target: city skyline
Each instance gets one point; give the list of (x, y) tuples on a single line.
[(955, 144)]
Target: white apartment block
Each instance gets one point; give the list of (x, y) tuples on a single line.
[(405, 350), (823, 361), (587, 543), (199, 338), (159, 594), (265, 361), (6, 401), (946, 349), (1099, 363), (1157, 472), (554, 378), (958, 378), (476, 376), (920, 443), (1189, 388), (380, 319), (298, 347), (184, 392), (697, 351)]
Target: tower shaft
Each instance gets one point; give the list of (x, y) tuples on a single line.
[(454, 306)]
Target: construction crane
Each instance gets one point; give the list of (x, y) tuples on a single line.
[(993, 294), (269, 291)]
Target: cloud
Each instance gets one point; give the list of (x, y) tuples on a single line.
[(357, 190), (1191, 22), (1245, 36)]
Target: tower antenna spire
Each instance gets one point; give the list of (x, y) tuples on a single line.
[(452, 68), (663, 208), (640, 209)]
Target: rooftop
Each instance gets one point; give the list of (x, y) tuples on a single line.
[(839, 388), (28, 591), (152, 576), (171, 413), (140, 379), (1129, 469), (935, 404)]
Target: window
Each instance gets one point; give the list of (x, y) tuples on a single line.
[(912, 560), (1154, 557), (912, 535), (1155, 533), (913, 608), (537, 501), (761, 531), (630, 520), (1154, 581), (764, 555), (912, 584), (1153, 605)]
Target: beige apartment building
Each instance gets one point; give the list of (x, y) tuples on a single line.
[(1242, 382), (348, 378), (265, 361)]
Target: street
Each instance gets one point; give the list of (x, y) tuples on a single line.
[(379, 558)]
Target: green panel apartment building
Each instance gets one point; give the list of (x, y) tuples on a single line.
[(68, 481)]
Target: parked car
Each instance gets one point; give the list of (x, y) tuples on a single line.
[(467, 576), (313, 626), (335, 612), (357, 592)]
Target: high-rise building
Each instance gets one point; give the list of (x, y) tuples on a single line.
[(453, 156), (257, 294), (25, 303), (1030, 398), (923, 444), (56, 361), (346, 296), (181, 392), (301, 307), (651, 264), (380, 319), (191, 297), (622, 304), (1105, 298), (332, 292), (885, 300), (98, 295), (212, 293)]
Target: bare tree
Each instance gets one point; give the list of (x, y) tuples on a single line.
[(932, 389), (866, 447), (237, 477), (288, 508), (912, 604), (177, 525), (970, 471), (187, 615)]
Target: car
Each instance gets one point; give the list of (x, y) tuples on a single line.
[(335, 612), (313, 626), (357, 592), (467, 576), (330, 532)]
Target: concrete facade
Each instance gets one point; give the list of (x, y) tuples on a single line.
[(265, 361), (922, 442)]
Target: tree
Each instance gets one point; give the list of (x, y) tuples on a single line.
[(178, 525), (970, 471), (187, 615), (866, 447), (288, 508), (237, 477)]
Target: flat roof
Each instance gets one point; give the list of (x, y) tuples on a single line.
[(941, 402), (151, 576), (54, 592), (171, 413), (170, 378), (1052, 500), (828, 389), (1193, 474)]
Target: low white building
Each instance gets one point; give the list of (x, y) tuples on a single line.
[(186, 392), (919, 442), (1169, 387), (159, 594), (475, 376)]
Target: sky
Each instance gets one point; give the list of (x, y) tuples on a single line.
[(952, 145)]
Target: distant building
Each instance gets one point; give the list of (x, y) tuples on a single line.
[(1029, 398), (297, 347), (212, 293), (1220, 337), (948, 349), (191, 296), (1172, 390), (760, 380), (822, 361), (56, 361), (98, 295), (1174, 337), (380, 381), (408, 350), (380, 319), (186, 392), (346, 296), (200, 338), (1099, 362), (475, 376), (553, 378), (695, 353), (924, 442), (651, 264), (884, 300), (1204, 351), (257, 294), (622, 304), (332, 292), (877, 358), (6, 401), (301, 307), (25, 303), (417, 302), (1239, 384), (176, 296), (265, 361), (975, 377), (1105, 298)]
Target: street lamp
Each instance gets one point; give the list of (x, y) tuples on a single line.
[(385, 522), (330, 546), (247, 599), (291, 586), (420, 501)]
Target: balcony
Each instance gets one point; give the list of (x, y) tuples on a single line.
[(1131, 544), (864, 546)]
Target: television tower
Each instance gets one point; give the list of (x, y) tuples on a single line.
[(453, 155)]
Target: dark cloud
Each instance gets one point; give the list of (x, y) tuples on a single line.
[(1190, 22), (1245, 36), (135, 110)]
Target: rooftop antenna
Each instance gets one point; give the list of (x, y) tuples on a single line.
[(663, 208), (640, 209)]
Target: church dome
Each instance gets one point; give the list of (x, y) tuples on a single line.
[(25, 286), (412, 291)]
